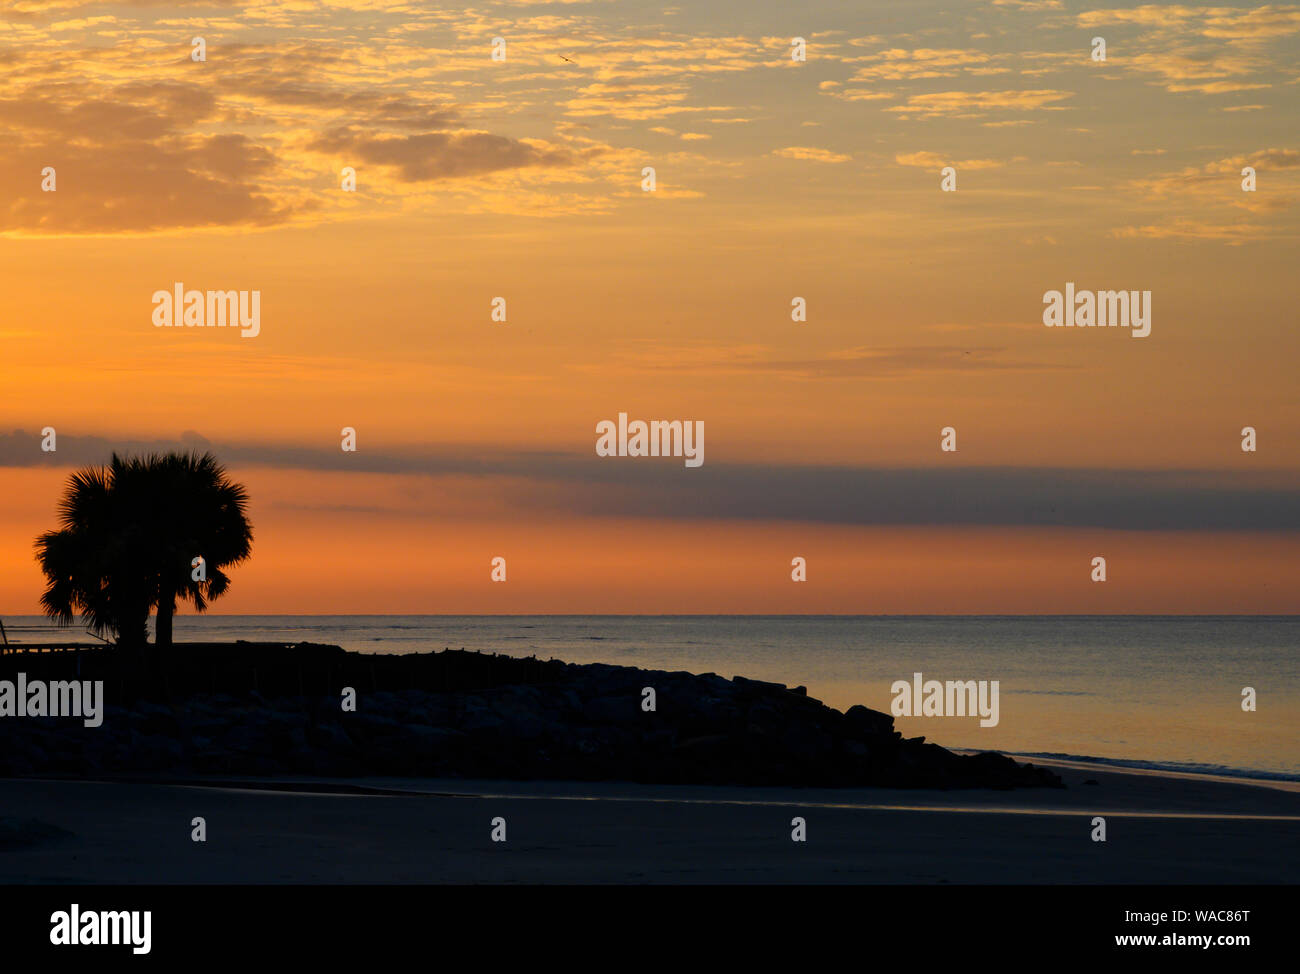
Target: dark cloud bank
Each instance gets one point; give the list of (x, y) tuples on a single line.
[(1136, 500)]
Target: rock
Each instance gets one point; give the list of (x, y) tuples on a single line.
[(331, 738), (865, 721), (481, 715), (481, 719), (758, 686), (613, 710)]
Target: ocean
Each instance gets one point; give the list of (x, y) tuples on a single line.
[(1161, 692)]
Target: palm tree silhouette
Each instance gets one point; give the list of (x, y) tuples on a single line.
[(130, 537)]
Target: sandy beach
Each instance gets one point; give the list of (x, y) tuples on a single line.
[(1160, 829)]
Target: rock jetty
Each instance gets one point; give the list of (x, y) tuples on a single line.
[(262, 709)]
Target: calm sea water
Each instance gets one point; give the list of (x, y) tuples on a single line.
[(1153, 691)]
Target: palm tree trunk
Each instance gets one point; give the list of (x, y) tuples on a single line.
[(163, 628)]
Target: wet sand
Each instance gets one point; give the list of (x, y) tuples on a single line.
[(1160, 829)]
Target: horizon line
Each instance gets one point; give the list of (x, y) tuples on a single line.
[(706, 615)]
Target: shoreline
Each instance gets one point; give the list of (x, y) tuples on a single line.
[(1241, 776), (616, 790), (1182, 789)]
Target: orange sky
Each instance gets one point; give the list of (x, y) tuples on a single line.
[(776, 179)]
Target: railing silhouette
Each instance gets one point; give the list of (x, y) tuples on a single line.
[(51, 641), (269, 669)]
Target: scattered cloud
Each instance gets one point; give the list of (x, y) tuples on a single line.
[(932, 160), (973, 104), (810, 154)]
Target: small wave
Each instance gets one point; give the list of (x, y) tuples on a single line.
[(1056, 693), (1181, 767)]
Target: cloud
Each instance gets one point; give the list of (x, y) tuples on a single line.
[(1233, 234), (932, 160), (1214, 176), (1228, 23), (1250, 24), (898, 64), (976, 103), (172, 182), (867, 362), (810, 154), (859, 362), (684, 136), (38, 10), (544, 482), (1212, 70), (376, 108), (1216, 87), (240, 147), (635, 102), (441, 155), (1146, 15), (75, 111), (855, 94), (127, 157)]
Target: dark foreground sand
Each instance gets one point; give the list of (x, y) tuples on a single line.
[(1160, 829)]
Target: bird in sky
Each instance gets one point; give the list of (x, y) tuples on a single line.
[(569, 59)]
